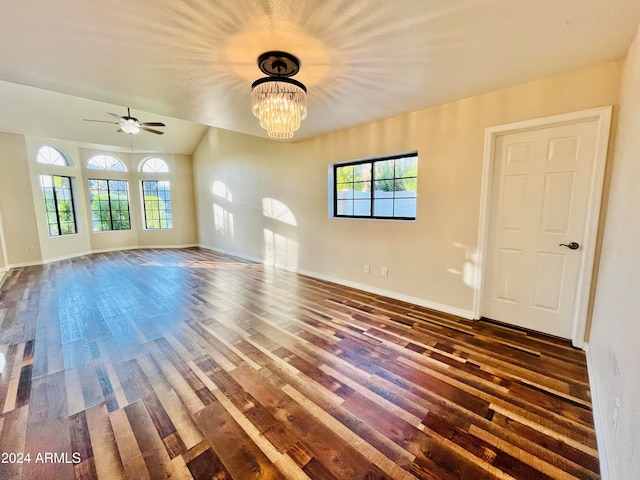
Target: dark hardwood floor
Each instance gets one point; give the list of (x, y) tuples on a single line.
[(185, 364)]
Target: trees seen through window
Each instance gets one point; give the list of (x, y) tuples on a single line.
[(109, 205), (58, 201)]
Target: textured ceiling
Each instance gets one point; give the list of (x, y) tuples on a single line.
[(362, 60)]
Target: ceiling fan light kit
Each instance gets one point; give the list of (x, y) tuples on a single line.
[(280, 102), (131, 125)]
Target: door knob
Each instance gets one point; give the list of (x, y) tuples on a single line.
[(572, 245)]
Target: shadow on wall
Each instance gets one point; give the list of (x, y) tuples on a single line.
[(469, 266), (280, 234), (222, 217)]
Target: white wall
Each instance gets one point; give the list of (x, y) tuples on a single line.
[(614, 343), (272, 202)]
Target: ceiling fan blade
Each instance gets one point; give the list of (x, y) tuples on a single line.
[(157, 132), (153, 124), (115, 116), (120, 130), (100, 121)]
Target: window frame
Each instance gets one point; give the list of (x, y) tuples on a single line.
[(111, 211), (168, 212), (372, 180), (55, 193)]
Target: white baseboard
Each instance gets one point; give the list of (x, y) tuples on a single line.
[(140, 247), (468, 314), (46, 261), (598, 417)]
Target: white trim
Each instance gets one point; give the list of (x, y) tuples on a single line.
[(603, 116), (468, 314), (140, 247), (234, 254), (598, 417), (25, 264), (47, 261)]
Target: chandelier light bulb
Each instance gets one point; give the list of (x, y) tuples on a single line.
[(277, 100)]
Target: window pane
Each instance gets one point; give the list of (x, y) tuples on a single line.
[(383, 207), (344, 207), (51, 156), (363, 187), (345, 191), (407, 167), (383, 186), (404, 207), (155, 165), (362, 207), (384, 169), (362, 172), (344, 174), (106, 162), (408, 184)]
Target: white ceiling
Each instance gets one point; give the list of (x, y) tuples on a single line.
[(362, 60)]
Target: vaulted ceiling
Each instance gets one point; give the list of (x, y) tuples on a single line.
[(190, 63)]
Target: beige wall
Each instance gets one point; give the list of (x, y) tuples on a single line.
[(274, 200), (614, 344), (22, 206), (16, 204)]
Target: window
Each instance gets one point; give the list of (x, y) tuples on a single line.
[(154, 165), (58, 201), (109, 205), (106, 162), (51, 156), (157, 204), (377, 188)]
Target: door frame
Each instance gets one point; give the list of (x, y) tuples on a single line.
[(603, 117)]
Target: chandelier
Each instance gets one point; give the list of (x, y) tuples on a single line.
[(279, 101)]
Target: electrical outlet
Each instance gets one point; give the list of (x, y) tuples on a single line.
[(367, 268), (384, 272)]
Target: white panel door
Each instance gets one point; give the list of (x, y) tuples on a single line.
[(539, 200)]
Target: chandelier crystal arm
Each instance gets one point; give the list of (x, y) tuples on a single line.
[(278, 101)]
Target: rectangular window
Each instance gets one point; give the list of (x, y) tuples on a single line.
[(377, 188), (109, 205), (157, 204), (58, 201)]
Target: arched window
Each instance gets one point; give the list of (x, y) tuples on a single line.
[(154, 165), (106, 162), (51, 156)]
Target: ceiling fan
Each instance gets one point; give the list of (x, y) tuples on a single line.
[(131, 125)]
